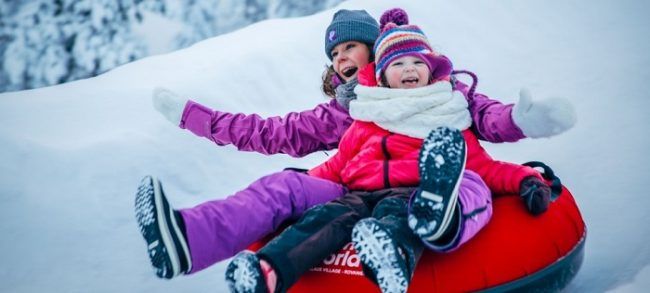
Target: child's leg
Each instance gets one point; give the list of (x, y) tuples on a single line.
[(473, 213), (321, 231), (387, 247)]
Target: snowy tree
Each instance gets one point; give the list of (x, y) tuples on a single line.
[(35, 54), (49, 42), (256, 10), (204, 19), (100, 35), (199, 19), (45, 42), (294, 8), (6, 9)]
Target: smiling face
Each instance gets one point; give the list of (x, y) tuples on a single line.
[(407, 72), (348, 58)]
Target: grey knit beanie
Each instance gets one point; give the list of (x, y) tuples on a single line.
[(350, 25)]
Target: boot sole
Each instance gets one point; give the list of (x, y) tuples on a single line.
[(244, 275), (442, 161), (154, 217), (378, 251)]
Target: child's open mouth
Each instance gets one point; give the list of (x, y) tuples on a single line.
[(349, 71), (410, 81)]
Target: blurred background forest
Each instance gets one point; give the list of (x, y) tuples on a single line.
[(47, 42)]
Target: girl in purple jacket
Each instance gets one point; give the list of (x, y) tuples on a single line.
[(188, 240)]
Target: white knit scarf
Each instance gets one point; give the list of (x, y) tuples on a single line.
[(412, 112)]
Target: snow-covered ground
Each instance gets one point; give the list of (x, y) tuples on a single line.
[(72, 155)]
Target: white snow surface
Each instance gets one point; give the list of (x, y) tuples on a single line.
[(72, 155)]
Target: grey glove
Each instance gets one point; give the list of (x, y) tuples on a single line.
[(345, 93)]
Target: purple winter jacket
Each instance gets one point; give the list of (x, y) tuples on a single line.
[(300, 133)]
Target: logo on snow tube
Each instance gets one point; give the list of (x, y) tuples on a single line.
[(345, 261)]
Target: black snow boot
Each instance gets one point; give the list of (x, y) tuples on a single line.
[(389, 259), (387, 247), (163, 230), (441, 166), (244, 274)]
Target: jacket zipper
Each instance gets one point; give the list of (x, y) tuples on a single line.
[(384, 149)]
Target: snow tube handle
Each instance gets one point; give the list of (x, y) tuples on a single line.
[(548, 174)]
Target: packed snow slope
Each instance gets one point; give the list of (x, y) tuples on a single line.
[(72, 155)]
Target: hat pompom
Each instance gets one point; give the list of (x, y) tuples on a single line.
[(388, 26), (396, 15)]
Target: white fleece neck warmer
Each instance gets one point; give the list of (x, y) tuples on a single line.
[(412, 112)]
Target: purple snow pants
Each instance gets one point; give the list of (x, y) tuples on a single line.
[(219, 229), (475, 211)]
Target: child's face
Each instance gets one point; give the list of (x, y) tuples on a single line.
[(407, 72), (348, 58)]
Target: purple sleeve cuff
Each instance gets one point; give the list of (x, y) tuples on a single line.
[(496, 123), (197, 119), (491, 119)]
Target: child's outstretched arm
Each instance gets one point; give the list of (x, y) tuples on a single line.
[(296, 134), (495, 122), (491, 120)]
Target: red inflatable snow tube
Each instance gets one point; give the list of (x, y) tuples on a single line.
[(515, 251)]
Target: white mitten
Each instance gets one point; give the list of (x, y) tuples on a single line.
[(169, 104), (544, 118)]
